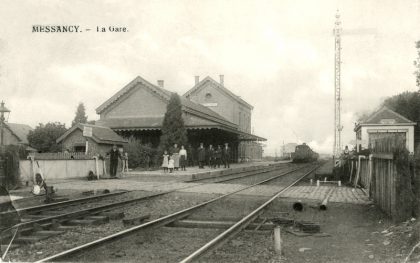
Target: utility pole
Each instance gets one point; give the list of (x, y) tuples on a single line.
[(337, 87), (338, 33)]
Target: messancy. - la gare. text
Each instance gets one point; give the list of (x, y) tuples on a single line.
[(55, 29)]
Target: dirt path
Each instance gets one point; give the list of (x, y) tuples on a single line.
[(349, 233)]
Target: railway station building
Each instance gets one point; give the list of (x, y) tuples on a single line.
[(137, 111)]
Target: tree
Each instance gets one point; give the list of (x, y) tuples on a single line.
[(417, 65), (173, 129), (407, 104), (139, 153), (44, 137), (80, 115)]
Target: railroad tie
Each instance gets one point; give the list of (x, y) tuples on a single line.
[(135, 220), (89, 220), (113, 215)]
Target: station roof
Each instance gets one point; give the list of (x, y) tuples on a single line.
[(100, 134), (384, 116), (21, 131), (155, 123), (244, 136)]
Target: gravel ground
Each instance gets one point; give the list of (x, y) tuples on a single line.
[(155, 207), (239, 205), (352, 233), (290, 178), (163, 245), (253, 179), (248, 246)]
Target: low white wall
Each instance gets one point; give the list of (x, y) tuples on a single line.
[(59, 169)]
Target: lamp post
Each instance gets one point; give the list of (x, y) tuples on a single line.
[(3, 111)]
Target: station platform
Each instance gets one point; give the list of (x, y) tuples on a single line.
[(157, 180), (194, 173)]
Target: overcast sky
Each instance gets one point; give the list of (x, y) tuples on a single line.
[(277, 55)]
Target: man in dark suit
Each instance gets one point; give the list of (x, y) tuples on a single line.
[(226, 155), (114, 155), (217, 157), (201, 156), (210, 156)]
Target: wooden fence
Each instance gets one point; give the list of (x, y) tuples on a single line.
[(384, 182), (388, 186)]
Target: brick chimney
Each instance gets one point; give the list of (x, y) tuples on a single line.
[(160, 83), (197, 79), (222, 80)]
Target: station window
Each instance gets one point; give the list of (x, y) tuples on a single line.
[(79, 148)]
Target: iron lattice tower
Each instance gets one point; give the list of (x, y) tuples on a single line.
[(337, 87)]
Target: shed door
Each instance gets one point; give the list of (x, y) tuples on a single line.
[(391, 139)]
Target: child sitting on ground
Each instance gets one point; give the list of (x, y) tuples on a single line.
[(171, 164)]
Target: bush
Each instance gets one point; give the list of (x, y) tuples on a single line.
[(44, 137), (416, 181), (406, 206), (140, 155)]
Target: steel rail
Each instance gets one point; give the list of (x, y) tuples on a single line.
[(265, 169), (39, 208), (251, 173), (76, 214), (236, 228), (154, 223)]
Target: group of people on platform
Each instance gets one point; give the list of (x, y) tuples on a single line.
[(177, 158)]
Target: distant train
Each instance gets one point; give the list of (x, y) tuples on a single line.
[(304, 154)]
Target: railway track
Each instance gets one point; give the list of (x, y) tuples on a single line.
[(182, 214), (238, 226), (44, 221), (63, 204)]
